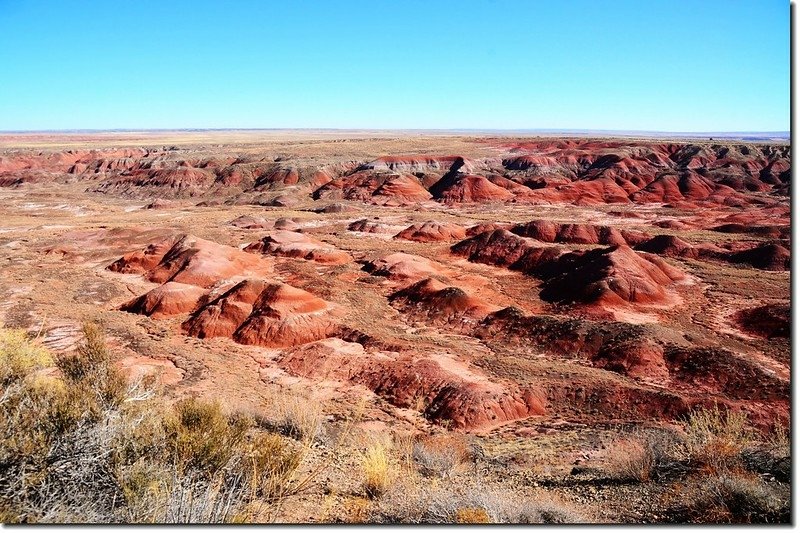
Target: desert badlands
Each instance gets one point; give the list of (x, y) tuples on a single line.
[(422, 328)]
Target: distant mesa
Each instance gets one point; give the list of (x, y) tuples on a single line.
[(543, 171)]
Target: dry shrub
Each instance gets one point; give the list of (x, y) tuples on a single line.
[(91, 368), (471, 515), (630, 458), (778, 441), (356, 510), (403, 446), (447, 504), (85, 448), (271, 463), (643, 455), (201, 437), (715, 439), (377, 468), (441, 455), (20, 355), (728, 497), (296, 417)]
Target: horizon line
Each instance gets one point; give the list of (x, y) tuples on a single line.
[(511, 130)]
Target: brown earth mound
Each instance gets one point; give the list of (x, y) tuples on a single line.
[(293, 244), (468, 188), (251, 222), (337, 208), (436, 303), (191, 260), (432, 231), (761, 231), (161, 203), (549, 231), (768, 321), (766, 257), (368, 226), (265, 314), (403, 188), (78, 245), (444, 389), (613, 275), (668, 245), (171, 298), (287, 224), (401, 266)]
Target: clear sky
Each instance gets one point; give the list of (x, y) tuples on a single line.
[(667, 65)]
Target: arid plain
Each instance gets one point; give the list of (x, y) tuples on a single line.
[(542, 305)]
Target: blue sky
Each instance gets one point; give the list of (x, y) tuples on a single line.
[(667, 65)]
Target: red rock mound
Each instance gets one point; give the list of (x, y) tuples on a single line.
[(549, 231), (176, 182), (641, 359), (368, 226), (503, 248), (190, 260), (670, 246), (467, 188), (434, 302), (432, 231), (277, 177), (251, 222), (768, 321), (450, 390), (615, 275), (400, 266), (766, 257), (484, 227), (265, 314), (612, 275), (293, 244), (169, 299), (402, 188)]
